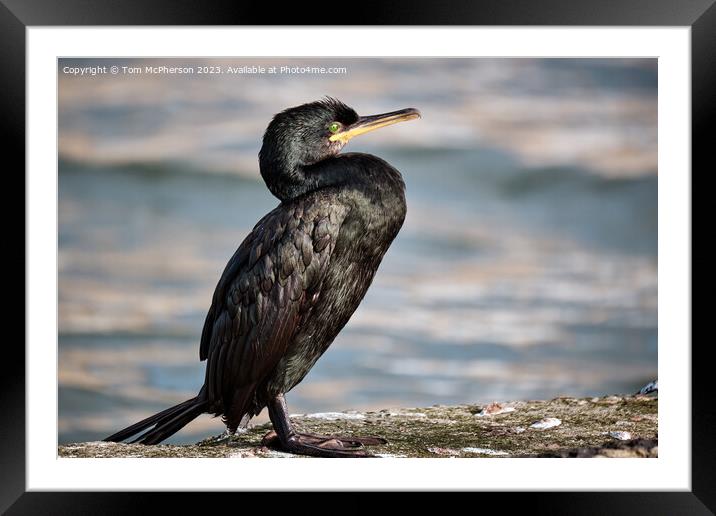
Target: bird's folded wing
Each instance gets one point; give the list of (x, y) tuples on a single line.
[(266, 290)]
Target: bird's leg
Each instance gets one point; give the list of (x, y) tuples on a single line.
[(286, 438)]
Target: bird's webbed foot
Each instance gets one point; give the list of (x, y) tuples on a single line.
[(284, 437), (321, 445)]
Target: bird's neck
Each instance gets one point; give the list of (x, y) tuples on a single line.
[(288, 179)]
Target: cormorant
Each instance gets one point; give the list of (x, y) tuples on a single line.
[(297, 278)]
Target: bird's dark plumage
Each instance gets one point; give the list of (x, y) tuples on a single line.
[(297, 278)]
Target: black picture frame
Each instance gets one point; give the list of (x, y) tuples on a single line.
[(17, 15)]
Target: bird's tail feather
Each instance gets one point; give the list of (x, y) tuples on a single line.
[(163, 424)]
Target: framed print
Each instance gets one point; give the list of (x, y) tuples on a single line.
[(513, 319)]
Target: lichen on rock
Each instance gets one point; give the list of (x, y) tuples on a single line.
[(589, 427)]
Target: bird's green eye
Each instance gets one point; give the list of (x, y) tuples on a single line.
[(334, 127)]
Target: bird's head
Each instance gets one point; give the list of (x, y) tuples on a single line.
[(307, 134)]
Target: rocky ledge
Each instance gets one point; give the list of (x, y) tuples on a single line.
[(613, 426)]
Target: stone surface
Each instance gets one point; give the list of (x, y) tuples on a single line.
[(588, 429)]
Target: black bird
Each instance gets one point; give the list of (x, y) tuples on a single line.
[(297, 278)]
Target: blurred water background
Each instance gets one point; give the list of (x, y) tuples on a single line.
[(526, 268)]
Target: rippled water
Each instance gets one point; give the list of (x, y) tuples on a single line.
[(526, 267)]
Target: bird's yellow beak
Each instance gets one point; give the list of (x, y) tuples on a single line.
[(370, 123)]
